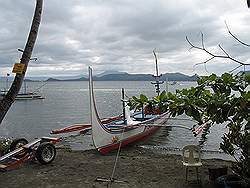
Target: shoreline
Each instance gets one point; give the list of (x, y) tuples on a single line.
[(205, 154), (137, 167)]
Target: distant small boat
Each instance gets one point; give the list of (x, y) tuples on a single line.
[(24, 95), (29, 96), (173, 83)]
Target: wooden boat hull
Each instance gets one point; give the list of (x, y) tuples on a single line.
[(110, 136), (136, 138)]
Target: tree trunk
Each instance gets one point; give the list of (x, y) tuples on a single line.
[(9, 98)]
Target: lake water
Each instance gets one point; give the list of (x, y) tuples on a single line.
[(67, 103)]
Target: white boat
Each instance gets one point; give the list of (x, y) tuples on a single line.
[(113, 134), (24, 95), (29, 96)]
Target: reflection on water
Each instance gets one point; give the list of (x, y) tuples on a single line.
[(67, 103)]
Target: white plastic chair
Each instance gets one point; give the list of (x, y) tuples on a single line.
[(191, 158)]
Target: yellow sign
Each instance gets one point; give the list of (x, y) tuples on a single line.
[(18, 68)]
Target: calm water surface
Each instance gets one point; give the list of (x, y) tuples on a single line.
[(67, 103)]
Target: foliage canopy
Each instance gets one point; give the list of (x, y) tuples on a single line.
[(215, 100)]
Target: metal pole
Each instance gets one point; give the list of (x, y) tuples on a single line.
[(123, 105)]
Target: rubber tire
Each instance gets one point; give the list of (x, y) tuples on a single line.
[(17, 143), (40, 152)]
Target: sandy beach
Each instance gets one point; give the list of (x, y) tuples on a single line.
[(136, 167)]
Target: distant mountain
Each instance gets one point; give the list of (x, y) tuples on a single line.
[(53, 80), (123, 76), (70, 77), (112, 76), (115, 76), (109, 72), (179, 77), (145, 77), (27, 79), (56, 80), (64, 78)]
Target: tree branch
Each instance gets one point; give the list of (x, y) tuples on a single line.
[(235, 68), (236, 38), (227, 56), (223, 50)]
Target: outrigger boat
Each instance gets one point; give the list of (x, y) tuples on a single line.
[(118, 131), (113, 134)]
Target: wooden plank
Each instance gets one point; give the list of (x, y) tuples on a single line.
[(49, 138), (27, 146), (11, 154), (19, 150)]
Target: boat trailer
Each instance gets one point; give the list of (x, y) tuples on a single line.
[(41, 149)]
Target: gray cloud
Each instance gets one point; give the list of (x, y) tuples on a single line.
[(121, 34)]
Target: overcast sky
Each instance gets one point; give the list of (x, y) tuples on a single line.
[(121, 34)]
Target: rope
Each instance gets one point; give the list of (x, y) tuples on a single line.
[(120, 144), (116, 159), (37, 89)]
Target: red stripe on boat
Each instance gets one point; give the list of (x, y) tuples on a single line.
[(71, 129), (106, 149)]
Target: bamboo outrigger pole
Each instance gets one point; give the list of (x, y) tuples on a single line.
[(157, 77), (9, 98)]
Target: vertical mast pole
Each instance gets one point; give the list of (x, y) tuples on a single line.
[(157, 76), (123, 105)]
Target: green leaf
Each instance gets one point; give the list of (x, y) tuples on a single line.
[(213, 77), (143, 98), (226, 77)]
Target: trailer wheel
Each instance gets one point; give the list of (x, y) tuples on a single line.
[(17, 143), (45, 153)]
